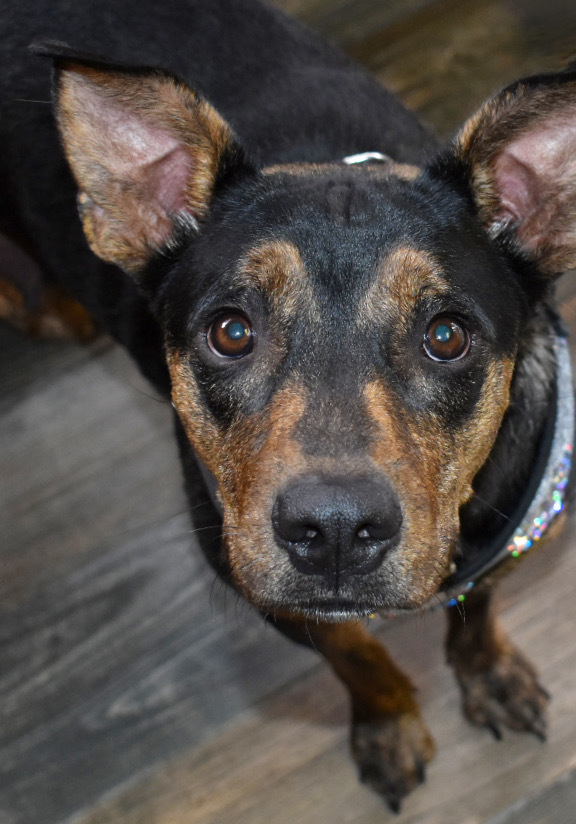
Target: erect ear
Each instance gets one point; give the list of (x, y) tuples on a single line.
[(146, 152), (519, 155)]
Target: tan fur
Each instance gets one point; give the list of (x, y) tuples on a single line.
[(250, 462), (378, 688), (298, 169), (276, 268), (404, 171), (405, 277)]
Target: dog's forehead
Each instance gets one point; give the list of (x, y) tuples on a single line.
[(333, 200), (335, 227), (346, 233)]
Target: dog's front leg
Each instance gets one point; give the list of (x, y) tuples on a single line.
[(389, 739), (499, 685)]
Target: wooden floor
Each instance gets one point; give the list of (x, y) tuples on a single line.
[(134, 689)]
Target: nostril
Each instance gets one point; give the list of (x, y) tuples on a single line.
[(379, 532), (297, 534), (292, 529)]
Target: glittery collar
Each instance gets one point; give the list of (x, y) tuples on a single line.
[(541, 510)]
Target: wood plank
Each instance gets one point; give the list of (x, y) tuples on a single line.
[(445, 58), (349, 22), (555, 804)]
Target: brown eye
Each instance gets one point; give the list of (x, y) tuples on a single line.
[(446, 339), (231, 335)]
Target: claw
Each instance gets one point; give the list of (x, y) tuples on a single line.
[(421, 772), (539, 730), (394, 804), (392, 795), (495, 730), (544, 693)]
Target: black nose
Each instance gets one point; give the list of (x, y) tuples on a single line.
[(339, 527)]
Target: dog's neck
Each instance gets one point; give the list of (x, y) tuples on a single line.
[(522, 487)]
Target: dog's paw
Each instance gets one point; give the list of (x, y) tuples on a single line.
[(392, 755), (504, 692)]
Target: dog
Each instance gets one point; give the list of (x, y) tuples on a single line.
[(355, 325)]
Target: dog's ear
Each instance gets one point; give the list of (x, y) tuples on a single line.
[(518, 155), (147, 153)]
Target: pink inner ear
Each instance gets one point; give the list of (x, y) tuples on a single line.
[(167, 180), (534, 169), (518, 187), (139, 153)]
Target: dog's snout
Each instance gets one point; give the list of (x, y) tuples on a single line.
[(337, 528)]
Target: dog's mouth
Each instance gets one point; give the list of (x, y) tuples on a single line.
[(333, 611), (339, 611)]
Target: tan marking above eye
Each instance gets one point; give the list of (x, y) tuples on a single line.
[(404, 278), (276, 268)]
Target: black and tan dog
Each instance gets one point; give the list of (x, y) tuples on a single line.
[(362, 355)]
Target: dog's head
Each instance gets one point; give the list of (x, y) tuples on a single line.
[(341, 340)]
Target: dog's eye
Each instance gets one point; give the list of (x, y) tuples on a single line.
[(446, 339), (231, 336)]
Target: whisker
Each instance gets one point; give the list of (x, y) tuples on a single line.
[(492, 507), (25, 100), (198, 529), (199, 505)]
